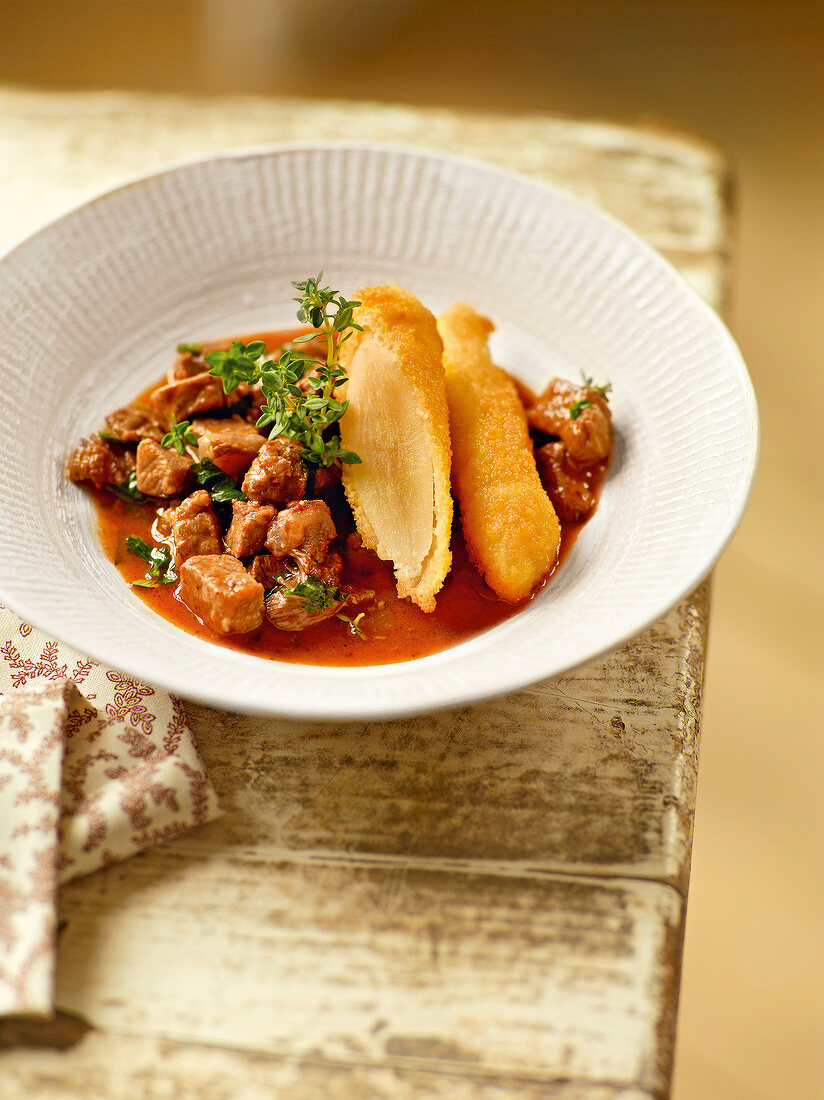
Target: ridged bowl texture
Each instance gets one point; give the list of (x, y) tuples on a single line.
[(92, 306)]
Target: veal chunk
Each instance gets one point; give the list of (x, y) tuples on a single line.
[(272, 572), (587, 436), (186, 365), (184, 399), (327, 478), (131, 424), (195, 528), (287, 611), (302, 531), (277, 475), (230, 444), (98, 461), (268, 570), (219, 590), (330, 570), (161, 471), (567, 485), (247, 531)]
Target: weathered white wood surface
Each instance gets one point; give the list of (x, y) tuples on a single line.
[(487, 902)]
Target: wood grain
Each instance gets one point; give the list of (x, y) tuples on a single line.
[(348, 959), (486, 902), (160, 1069)]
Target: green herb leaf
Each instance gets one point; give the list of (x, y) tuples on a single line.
[(179, 435), (314, 308), (128, 490), (314, 594), (601, 388), (192, 349), (158, 558), (299, 412), (307, 336), (305, 413), (111, 438), (218, 485), (238, 365), (579, 406)]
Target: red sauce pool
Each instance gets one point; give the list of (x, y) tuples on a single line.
[(396, 630)]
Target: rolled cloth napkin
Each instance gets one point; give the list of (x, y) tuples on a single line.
[(93, 768)]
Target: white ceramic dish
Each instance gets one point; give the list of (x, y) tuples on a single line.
[(92, 306)]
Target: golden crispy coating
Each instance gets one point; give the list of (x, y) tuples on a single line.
[(510, 527), (398, 422)]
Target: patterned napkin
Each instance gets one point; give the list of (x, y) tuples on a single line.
[(85, 780)]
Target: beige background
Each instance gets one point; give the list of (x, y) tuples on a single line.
[(749, 75)]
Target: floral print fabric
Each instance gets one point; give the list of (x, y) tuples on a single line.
[(93, 768)]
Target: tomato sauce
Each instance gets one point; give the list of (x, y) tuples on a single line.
[(390, 631), (393, 629)]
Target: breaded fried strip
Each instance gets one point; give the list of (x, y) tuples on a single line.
[(398, 422), (510, 527)]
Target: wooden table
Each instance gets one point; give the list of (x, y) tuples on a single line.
[(487, 902)]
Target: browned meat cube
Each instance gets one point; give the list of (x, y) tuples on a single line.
[(231, 444), (268, 570), (161, 471), (100, 462), (271, 571), (162, 526), (195, 528), (587, 437), (277, 475), (329, 570), (327, 478), (247, 531), (184, 399), (131, 424), (220, 591), (186, 365), (288, 611), (302, 531), (567, 486)]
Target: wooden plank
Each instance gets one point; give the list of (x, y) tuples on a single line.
[(357, 962)]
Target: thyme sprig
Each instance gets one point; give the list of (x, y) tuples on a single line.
[(336, 327), (603, 389), (179, 435), (303, 412), (239, 365)]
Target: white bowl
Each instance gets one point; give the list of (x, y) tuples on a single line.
[(91, 305)]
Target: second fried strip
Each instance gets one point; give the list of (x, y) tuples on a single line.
[(510, 527)]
